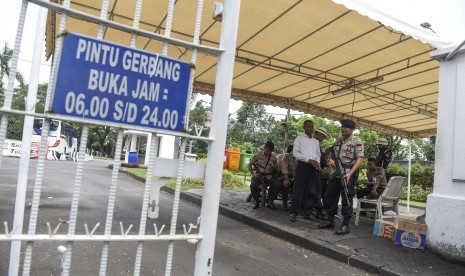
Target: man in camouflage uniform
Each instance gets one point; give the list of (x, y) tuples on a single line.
[(349, 150), (377, 181), (287, 168), (263, 167)]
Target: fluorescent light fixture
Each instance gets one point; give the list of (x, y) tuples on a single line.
[(356, 85), (244, 60), (427, 113)]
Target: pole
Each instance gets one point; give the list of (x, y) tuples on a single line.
[(409, 173), (31, 100), (286, 129), (214, 166)]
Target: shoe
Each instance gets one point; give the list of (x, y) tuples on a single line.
[(311, 217), (285, 208), (343, 230), (256, 204), (292, 217), (329, 224), (321, 216), (249, 198), (271, 206)]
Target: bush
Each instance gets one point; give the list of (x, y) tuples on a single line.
[(417, 193), (229, 181), (421, 180), (232, 181)]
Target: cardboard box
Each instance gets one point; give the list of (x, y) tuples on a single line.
[(409, 233), (383, 228)]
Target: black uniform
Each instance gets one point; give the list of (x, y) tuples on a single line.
[(349, 151), (383, 158)]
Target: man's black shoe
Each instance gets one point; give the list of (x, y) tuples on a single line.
[(271, 206), (292, 217), (256, 204), (321, 216), (249, 198), (326, 225), (285, 208), (311, 217), (343, 230)]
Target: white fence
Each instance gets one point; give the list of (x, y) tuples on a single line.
[(17, 237)]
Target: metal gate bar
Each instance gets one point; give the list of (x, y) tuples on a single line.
[(211, 196)]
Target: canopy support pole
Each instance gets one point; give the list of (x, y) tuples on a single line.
[(409, 173)]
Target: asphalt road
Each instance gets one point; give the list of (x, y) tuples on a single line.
[(240, 249)]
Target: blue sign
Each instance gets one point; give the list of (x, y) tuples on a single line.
[(108, 82)]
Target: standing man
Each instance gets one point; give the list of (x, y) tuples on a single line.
[(384, 156), (349, 151), (307, 153), (263, 167), (320, 134)]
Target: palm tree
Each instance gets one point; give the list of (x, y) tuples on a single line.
[(5, 56)]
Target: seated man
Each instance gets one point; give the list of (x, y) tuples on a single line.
[(263, 167), (287, 170), (376, 184)]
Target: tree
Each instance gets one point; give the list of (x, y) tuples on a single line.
[(15, 122), (423, 149), (253, 125), (5, 57), (196, 124), (103, 139)]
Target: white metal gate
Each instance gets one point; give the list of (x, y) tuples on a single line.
[(24, 240)]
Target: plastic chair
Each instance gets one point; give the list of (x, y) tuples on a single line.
[(389, 198)]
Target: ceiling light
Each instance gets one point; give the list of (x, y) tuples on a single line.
[(353, 85), (427, 113), (244, 60)]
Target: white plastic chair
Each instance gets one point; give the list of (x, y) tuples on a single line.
[(389, 198)]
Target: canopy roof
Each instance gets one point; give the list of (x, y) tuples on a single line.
[(316, 56)]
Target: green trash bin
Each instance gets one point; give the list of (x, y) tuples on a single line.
[(244, 162)]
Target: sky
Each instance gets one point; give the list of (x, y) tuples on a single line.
[(446, 17)]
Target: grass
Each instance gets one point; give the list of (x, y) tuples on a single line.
[(414, 203), (136, 171)]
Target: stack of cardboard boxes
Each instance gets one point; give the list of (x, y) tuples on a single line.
[(403, 232)]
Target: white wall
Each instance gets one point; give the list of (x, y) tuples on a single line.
[(445, 208)]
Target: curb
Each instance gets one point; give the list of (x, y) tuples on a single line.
[(322, 248)]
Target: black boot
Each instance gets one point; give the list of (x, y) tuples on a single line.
[(256, 203), (292, 217), (343, 230), (271, 205), (328, 224), (285, 207), (249, 198), (320, 215)]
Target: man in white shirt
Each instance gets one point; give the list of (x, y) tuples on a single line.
[(307, 152)]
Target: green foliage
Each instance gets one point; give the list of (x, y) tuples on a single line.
[(231, 181), (421, 180), (196, 121), (417, 193), (254, 125)]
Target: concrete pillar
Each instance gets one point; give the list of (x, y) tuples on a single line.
[(445, 208)]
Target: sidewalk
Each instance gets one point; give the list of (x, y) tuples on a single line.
[(359, 248)]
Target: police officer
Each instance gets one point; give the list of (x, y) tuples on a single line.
[(349, 150), (287, 169), (384, 156), (263, 167)]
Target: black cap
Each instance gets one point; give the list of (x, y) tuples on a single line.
[(269, 145), (348, 123)]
